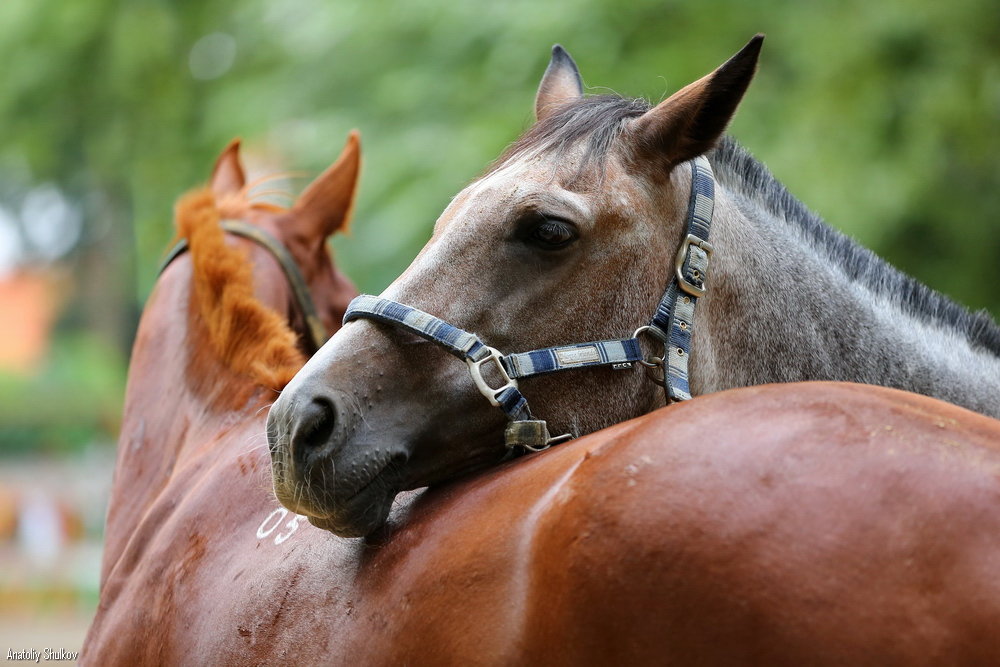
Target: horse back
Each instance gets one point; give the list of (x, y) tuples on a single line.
[(792, 524)]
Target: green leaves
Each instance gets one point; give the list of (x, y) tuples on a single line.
[(880, 116)]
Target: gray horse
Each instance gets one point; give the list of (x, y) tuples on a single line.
[(571, 236)]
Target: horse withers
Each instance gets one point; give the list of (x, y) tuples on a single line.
[(573, 235)]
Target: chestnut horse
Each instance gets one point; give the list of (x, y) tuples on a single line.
[(572, 236), (221, 334), (816, 523)]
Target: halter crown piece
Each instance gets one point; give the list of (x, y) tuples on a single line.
[(317, 332), (671, 327)]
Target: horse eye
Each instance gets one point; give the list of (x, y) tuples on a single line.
[(552, 234)]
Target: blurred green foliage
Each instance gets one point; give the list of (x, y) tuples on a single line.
[(73, 400), (880, 116)]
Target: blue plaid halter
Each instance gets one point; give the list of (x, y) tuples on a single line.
[(670, 327)]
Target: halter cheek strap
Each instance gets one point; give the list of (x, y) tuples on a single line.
[(673, 322), (671, 327), (317, 332)]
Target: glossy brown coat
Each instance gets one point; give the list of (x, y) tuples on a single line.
[(816, 523)]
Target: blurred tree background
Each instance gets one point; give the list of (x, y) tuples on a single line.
[(881, 116)]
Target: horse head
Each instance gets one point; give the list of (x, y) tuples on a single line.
[(567, 237), (261, 277), (323, 208)]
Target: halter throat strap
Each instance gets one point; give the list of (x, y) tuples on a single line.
[(317, 332), (671, 327)]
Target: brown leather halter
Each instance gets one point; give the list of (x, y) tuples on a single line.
[(317, 332)]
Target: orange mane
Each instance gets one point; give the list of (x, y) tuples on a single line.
[(248, 337)]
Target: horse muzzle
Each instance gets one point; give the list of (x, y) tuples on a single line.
[(345, 489)]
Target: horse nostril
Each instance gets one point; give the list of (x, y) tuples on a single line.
[(313, 430)]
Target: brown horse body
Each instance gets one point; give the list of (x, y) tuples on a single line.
[(785, 524)]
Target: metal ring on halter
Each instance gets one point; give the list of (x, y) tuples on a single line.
[(652, 361), (657, 362)]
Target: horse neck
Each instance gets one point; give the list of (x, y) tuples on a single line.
[(179, 403), (780, 309), (178, 374)]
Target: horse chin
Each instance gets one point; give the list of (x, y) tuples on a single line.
[(346, 528), (360, 515)]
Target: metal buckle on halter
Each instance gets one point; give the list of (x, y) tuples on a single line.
[(682, 253), (475, 370), (532, 434)]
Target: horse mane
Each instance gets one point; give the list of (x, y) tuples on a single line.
[(249, 338), (740, 171), (601, 119)]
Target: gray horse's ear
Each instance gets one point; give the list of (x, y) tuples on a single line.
[(228, 176), (560, 84), (692, 120)]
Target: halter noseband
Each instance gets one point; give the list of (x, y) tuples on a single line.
[(317, 332), (671, 326)]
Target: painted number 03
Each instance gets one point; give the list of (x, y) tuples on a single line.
[(273, 522)]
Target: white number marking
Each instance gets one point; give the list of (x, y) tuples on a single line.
[(273, 521), (292, 526), (264, 531)]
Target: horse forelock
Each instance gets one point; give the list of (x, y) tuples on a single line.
[(248, 337), (597, 119), (249, 198)]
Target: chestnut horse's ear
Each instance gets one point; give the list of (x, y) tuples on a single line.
[(228, 177), (326, 204), (560, 84), (690, 121)]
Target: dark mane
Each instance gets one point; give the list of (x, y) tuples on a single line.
[(600, 119), (738, 170)]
